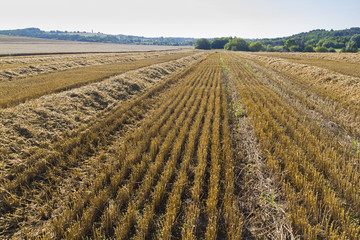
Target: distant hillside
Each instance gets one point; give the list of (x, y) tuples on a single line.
[(316, 38), (319, 37), (98, 37)]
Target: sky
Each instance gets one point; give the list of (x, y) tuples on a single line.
[(182, 18)]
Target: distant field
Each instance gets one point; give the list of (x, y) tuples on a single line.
[(180, 144), (11, 45)]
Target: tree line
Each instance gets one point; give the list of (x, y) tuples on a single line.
[(347, 40), (291, 45), (98, 37)]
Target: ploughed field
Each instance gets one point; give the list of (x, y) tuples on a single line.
[(180, 145)]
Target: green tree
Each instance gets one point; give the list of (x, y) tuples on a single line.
[(295, 48), (279, 49), (219, 43), (312, 42), (256, 46), (237, 44), (351, 46), (321, 49), (269, 48), (289, 43), (309, 48), (356, 38), (203, 43)]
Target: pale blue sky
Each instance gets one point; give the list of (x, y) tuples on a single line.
[(182, 18)]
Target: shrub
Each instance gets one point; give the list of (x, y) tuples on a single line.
[(219, 43), (256, 47), (203, 43), (237, 44)]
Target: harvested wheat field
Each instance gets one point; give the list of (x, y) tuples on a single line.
[(14, 45), (180, 144)]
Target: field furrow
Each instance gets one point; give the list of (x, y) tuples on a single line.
[(255, 192)]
